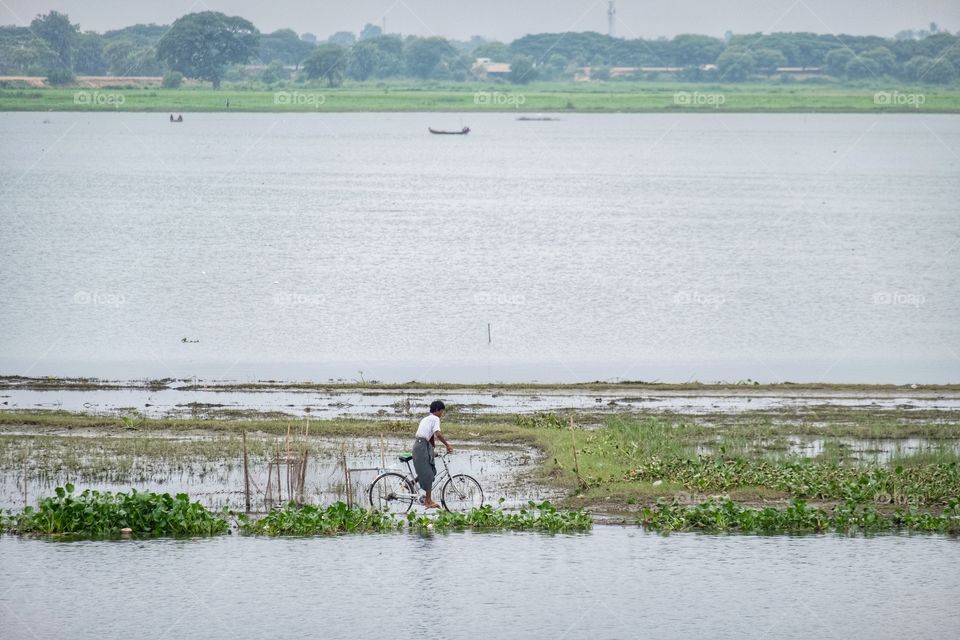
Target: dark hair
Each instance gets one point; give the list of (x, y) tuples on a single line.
[(437, 405)]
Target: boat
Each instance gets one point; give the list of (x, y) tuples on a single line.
[(537, 118), (441, 132)]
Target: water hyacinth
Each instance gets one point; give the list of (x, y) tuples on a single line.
[(337, 518), (99, 514), (541, 516), (724, 515), (929, 484), (311, 520)]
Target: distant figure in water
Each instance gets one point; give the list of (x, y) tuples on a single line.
[(171, 118), (423, 450), (227, 103), (180, 118)]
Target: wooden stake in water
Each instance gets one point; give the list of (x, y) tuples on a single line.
[(489, 336), (346, 475), (246, 475), (383, 460), (576, 458)]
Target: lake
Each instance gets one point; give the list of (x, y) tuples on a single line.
[(357, 246), (617, 582)]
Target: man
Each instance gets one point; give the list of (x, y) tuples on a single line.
[(423, 450)]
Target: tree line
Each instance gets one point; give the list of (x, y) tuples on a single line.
[(212, 46)]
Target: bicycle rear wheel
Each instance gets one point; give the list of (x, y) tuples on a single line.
[(461, 493), (392, 493)]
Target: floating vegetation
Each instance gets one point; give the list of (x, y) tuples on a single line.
[(541, 516), (724, 515), (96, 514), (805, 478), (337, 518), (310, 520)]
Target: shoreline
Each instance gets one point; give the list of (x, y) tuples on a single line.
[(745, 388), (664, 98)]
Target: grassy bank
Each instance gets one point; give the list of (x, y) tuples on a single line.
[(554, 98)]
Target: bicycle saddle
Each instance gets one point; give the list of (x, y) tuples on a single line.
[(406, 457)]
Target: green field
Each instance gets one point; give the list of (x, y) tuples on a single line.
[(543, 97)]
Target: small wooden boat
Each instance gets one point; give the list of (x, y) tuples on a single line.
[(537, 119), (441, 132)]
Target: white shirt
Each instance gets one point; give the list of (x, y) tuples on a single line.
[(428, 426)]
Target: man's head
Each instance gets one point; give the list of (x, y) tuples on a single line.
[(437, 408)]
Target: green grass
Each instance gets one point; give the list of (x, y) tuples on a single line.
[(539, 97)]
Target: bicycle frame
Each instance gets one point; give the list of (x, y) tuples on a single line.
[(437, 481)]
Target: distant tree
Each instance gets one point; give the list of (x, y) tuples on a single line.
[(690, 49), (342, 38), (283, 45), (60, 76), (116, 54), (735, 64), (370, 31), (600, 72), (496, 51), (328, 61), (363, 60), (836, 62), (275, 72), (308, 37), (861, 66), (58, 34), (882, 58), (202, 45), (88, 59), (522, 70), (928, 70), (768, 60), (422, 55), (172, 80)]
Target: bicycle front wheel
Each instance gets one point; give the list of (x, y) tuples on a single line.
[(461, 493), (391, 493)]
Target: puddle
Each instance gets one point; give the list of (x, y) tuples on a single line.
[(210, 467), (876, 451)]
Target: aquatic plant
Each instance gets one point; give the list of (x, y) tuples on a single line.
[(104, 514), (724, 515), (337, 518), (311, 520), (805, 478), (541, 516)]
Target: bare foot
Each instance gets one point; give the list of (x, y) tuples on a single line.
[(432, 505)]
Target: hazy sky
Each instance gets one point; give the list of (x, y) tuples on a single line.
[(509, 19)]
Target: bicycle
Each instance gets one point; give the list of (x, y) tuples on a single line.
[(394, 492)]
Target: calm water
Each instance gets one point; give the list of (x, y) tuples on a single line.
[(613, 583), (309, 246)]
